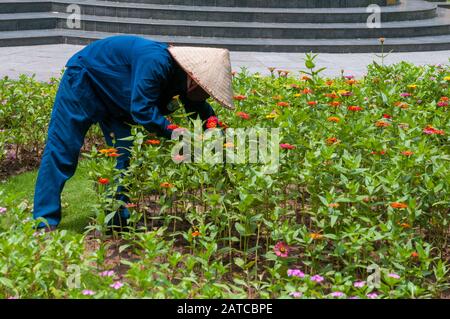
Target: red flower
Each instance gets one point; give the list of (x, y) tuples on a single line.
[(240, 97), (312, 103), (152, 142), (382, 124), (243, 115), (407, 153), (354, 108), (284, 104), (103, 180), (212, 122), (172, 127), (399, 205), (113, 155), (387, 116), (287, 146), (431, 130), (131, 205), (414, 254)]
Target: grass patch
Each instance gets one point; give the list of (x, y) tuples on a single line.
[(78, 196)]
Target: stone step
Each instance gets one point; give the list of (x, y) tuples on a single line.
[(409, 10), (430, 27), (267, 3), (56, 36)]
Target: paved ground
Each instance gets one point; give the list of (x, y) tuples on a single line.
[(48, 60)]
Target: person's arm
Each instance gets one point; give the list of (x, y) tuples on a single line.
[(149, 78)]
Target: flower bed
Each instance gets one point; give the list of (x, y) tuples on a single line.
[(359, 207)]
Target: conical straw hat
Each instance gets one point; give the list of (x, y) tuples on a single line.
[(208, 67)]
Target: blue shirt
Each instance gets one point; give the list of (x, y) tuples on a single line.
[(137, 78)]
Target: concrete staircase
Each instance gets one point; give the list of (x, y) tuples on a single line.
[(241, 25)]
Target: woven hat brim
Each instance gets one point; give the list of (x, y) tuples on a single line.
[(210, 68)]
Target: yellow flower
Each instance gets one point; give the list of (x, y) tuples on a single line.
[(447, 78), (298, 95), (228, 145), (176, 97), (272, 115), (341, 92), (412, 86)]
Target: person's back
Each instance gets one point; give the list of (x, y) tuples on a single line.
[(115, 64)]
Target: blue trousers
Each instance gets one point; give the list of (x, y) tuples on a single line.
[(76, 108)]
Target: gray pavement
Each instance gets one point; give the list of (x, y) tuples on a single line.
[(46, 61)]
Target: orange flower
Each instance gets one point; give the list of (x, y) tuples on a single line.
[(195, 233), (329, 82), (108, 150), (305, 78), (407, 153), (405, 225), (294, 86), (283, 104), (331, 95), (332, 140), (334, 103), (277, 97), (103, 180), (382, 124), (333, 119), (131, 205), (152, 142), (239, 97), (307, 91), (243, 115), (316, 236), (312, 103), (333, 205), (113, 155), (401, 105), (399, 205), (166, 185), (444, 98), (351, 82), (414, 254)]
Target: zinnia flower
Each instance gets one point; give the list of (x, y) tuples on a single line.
[(333, 119), (243, 115), (212, 122), (103, 180), (295, 273), (407, 153), (283, 104), (317, 278), (172, 127), (372, 295), (88, 292), (398, 205), (117, 285), (333, 205), (382, 124), (281, 249), (387, 116), (152, 142), (312, 103), (442, 104), (359, 284), (3, 210), (332, 140), (240, 97), (166, 185), (405, 94), (108, 150), (334, 103), (414, 254), (107, 273), (195, 233), (113, 154), (296, 294), (337, 294), (393, 275), (287, 146), (355, 108), (316, 236), (429, 130)]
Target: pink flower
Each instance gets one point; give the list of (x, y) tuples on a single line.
[(107, 273), (359, 284), (317, 278), (296, 273), (13, 297), (337, 294), (243, 115), (88, 292), (405, 94), (349, 77), (394, 275), (116, 285), (442, 103), (281, 249), (296, 294), (178, 158), (3, 210), (372, 295), (354, 297)]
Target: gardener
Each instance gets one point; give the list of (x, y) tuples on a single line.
[(116, 82)]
